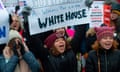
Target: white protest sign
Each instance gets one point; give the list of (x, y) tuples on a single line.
[(96, 14), (48, 18), (4, 25), (10, 3)]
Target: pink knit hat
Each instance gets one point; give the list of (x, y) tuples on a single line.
[(104, 31), (51, 39)]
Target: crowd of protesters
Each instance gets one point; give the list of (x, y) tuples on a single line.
[(68, 49)]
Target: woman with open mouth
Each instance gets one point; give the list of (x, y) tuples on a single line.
[(105, 57)]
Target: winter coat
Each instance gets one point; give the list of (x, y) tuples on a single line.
[(12, 63), (65, 62), (62, 63), (109, 61)]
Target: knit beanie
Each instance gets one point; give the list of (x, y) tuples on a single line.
[(49, 41), (115, 7), (14, 34), (104, 31)]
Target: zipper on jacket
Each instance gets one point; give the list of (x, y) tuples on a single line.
[(106, 61)]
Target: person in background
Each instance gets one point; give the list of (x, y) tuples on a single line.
[(105, 57), (78, 44), (16, 24), (115, 19), (16, 56), (115, 16), (90, 38)]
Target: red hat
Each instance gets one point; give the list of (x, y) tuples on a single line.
[(104, 31), (51, 39)]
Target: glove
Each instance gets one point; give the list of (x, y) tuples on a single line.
[(22, 50), (15, 50), (88, 3)]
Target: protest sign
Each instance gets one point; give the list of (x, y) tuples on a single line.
[(107, 13), (4, 25), (97, 14), (51, 17)]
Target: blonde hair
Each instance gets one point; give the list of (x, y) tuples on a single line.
[(90, 32)]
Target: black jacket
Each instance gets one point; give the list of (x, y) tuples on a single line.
[(62, 63), (65, 62), (109, 61)]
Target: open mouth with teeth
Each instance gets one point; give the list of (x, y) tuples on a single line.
[(107, 45), (61, 46)]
